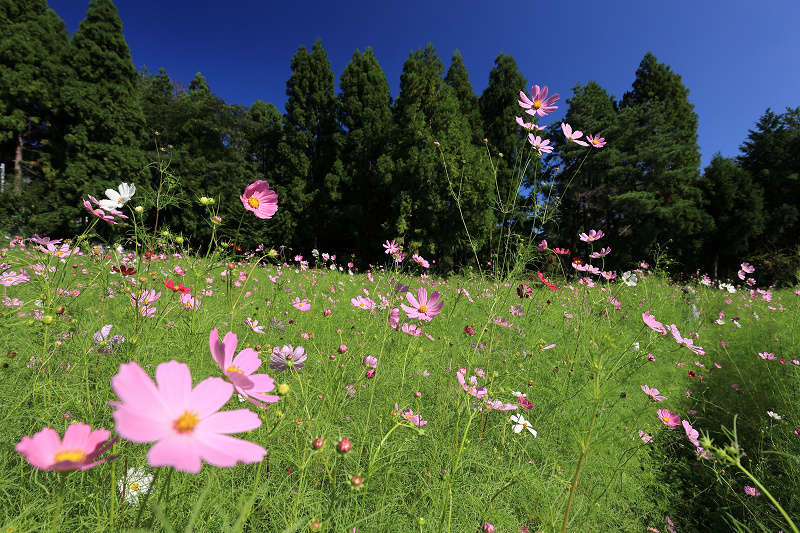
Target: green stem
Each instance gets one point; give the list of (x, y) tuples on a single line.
[(766, 493), (59, 502)]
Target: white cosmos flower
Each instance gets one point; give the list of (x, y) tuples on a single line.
[(138, 482), (774, 415), (116, 199), (520, 423)]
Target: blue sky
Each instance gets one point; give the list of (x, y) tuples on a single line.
[(737, 58)]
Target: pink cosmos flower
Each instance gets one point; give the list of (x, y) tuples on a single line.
[(10, 278), (653, 324), (370, 361), (596, 141), (394, 317), (288, 357), (409, 415), (602, 253), (539, 144), (684, 341), (692, 434), (751, 491), (653, 393), (539, 103), (239, 370), (767, 356), (259, 199), (420, 261), (184, 422), (591, 236), (668, 417), (362, 303), (573, 136), (412, 330), (301, 305), (391, 247), (99, 213), (422, 307), (528, 125), (561, 251), (78, 451), (645, 437), (472, 388)]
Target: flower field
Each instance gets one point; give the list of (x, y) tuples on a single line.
[(275, 393)]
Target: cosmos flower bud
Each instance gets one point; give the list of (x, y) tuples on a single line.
[(344, 446)]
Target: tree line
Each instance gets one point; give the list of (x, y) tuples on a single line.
[(355, 168)]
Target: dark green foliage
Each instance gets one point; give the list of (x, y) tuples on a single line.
[(366, 166), (309, 173), (736, 206), (100, 126), (31, 49), (771, 154)]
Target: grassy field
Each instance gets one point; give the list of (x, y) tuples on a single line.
[(538, 403)]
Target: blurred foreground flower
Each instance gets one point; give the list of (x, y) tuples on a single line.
[(78, 451), (184, 422)]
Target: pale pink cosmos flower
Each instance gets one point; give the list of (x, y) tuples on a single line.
[(362, 303), (239, 370), (422, 307), (539, 144), (653, 393), (391, 247), (184, 422), (7, 279), (685, 341), (288, 357), (645, 437), (394, 317), (412, 330), (668, 417), (596, 141), (409, 415), (573, 136), (471, 388), (539, 103), (77, 451), (692, 434), (259, 199), (653, 324), (591, 236), (529, 125), (767, 356), (498, 405), (420, 261), (301, 305), (602, 253), (99, 213)]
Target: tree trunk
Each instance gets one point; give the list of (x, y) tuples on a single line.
[(18, 167)]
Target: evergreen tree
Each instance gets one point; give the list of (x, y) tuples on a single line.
[(101, 126), (31, 49), (582, 182), (498, 105), (771, 154), (366, 117), (736, 205), (434, 200), (458, 78), (309, 152)]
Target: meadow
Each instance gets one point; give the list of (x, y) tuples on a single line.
[(389, 399)]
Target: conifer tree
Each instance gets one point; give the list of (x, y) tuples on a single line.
[(458, 78), (736, 205), (499, 108), (366, 117), (100, 125), (309, 151), (31, 50)]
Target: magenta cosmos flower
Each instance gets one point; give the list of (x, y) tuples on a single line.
[(78, 451), (471, 388), (184, 422), (259, 199), (539, 103), (668, 417), (239, 370), (422, 307)]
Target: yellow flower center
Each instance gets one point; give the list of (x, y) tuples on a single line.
[(134, 487), (594, 141), (423, 309), (186, 422), (234, 368), (665, 418), (253, 201), (75, 456), (537, 104)]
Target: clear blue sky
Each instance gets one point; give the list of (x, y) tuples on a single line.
[(737, 58)]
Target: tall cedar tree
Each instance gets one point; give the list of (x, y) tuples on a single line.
[(31, 71), (309, 178), (736, 204), (583, 186), (363, 202), (100, 125), (658, 169), (771, 154), (426, 197), (498, 105)]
